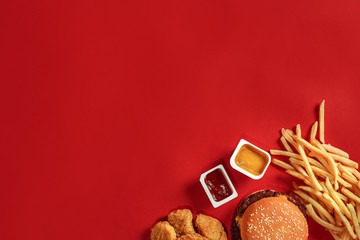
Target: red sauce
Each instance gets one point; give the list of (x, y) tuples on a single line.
[(218, 185)]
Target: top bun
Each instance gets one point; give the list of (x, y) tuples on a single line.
[(273, 218), (269, 214)]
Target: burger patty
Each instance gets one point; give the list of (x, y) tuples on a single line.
[(243, 205)]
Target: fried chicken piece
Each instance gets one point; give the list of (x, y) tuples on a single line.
[(210, 227), (192, 236), (182, 221), (163, 231)]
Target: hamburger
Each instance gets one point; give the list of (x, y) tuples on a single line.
[(269, 214)]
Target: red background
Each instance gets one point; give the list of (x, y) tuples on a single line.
[(111, 110)]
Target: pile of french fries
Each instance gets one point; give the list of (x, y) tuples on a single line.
[(330, 186)]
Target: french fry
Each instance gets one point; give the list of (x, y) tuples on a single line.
[(298, 130), (288, 137), (330, 203), (282, 164), (323, 174), (335, 235), (317, 144), (316, 163), (343, 182), (320, 172), (290, 132), (296, 174), (311, 190), (327, 174), (355, 219), (325, 203), (344, 169), (342, 197), (309, 183), (344, 160), (321, 202), (314, 203), (313, 130), (327, 156), (346, 223), (312, 177), (337, 199), (325, 165), (324, 187), (356, 190), (286, 144), (323, 223), (326, 199), (353, 171), (338, 221), (300, 169), (322, 216), (335, 150), (296, 156), (331, 162), (344, 220), (297, 198), (283, 153), (345, 236), (358, 212), (349, 178), (350, 195), (322, 122), (312, 148)]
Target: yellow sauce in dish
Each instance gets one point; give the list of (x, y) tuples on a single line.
[(251, 160)]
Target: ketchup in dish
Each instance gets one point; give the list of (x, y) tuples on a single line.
[(218, 185)]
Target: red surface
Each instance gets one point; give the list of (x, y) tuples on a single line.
[(111, 110)]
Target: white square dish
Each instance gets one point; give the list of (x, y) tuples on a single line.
[(235, 162), (218, 195)]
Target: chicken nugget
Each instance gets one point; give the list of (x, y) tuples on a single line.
[(210, 227), (192, 236), (163, 231), (182, 221)]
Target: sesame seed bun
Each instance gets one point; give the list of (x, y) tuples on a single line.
[(269, 214)]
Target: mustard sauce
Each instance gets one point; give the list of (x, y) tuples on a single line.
[(251, 160)]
